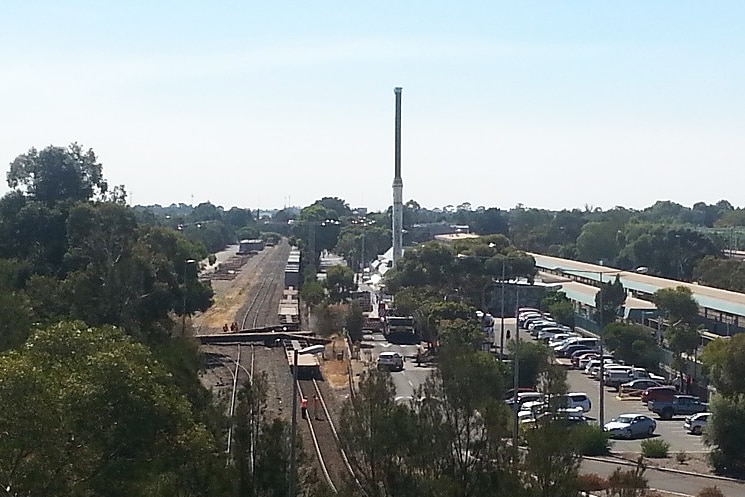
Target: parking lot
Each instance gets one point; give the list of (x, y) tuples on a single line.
[(671, 431)]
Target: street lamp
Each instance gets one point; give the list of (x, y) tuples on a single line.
[(313, 349), (187, 263)]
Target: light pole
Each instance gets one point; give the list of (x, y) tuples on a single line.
[(187, 263), (515, 372), (501, 319), (313, 349)]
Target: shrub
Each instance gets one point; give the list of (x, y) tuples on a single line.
[(681, 457), (591, 440), (655, 448), (628, 483), (710, 492), (591, 482)]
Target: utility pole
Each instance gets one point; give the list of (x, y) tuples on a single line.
[(516, 376)]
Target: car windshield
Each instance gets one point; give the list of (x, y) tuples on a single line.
[(624, 419)]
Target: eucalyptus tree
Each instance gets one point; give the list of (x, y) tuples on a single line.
[(87, 411)]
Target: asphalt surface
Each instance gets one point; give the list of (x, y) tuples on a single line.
[(671, 431), (413, 376), (682, 484), (409, 380)]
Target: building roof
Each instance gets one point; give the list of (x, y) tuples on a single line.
[(454, 237), (708, 297)]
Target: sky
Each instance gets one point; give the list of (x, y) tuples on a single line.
[(266, 104)]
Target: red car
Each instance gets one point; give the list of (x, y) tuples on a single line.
[(663, 393)]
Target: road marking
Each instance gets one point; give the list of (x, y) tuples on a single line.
[(411, 384)]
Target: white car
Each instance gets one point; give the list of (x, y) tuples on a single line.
[(695, 424), (391, 361), (554, 340)]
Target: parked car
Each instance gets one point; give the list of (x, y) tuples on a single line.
[(561, 336), (579, 399), (582, 364), (630, 426), (637, 387), (665, 392), (695, 424), (590, 343), (522, 398), (680, 405), (641, 373), (572, 349), (391, 361), (578, 356), (615, 377), (592, 367), (509, 394)]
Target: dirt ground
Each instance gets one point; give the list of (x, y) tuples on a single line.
[(335, 371), (229, 297), (695, 463)]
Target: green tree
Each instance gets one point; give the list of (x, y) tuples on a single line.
[(17, 312), (85, 411), (728, 274), (609, 300), (372, 427), (58, 174), (312, 293), (677, 304), (725, 362), (533, 358), (354, 321), (551, 463), (339, 283), (724, 431), (633, 344), (462, 427), (559, 306)]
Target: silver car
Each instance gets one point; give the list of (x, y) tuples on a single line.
[(630, 426), (695, 424)]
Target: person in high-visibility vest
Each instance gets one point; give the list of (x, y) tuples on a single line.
[(304, 407)]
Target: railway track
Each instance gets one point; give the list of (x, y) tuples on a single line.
[(264, 298), (262, 301), (332, 460), (238, 369)]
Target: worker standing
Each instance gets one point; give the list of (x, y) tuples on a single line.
[(316, 401), (304, 407)]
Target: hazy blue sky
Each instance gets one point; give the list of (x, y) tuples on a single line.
[(249, 103)]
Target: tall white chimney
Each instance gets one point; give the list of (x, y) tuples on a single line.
[(398, 187)]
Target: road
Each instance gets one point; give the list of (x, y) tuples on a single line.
[(668, 481), (406, 381)]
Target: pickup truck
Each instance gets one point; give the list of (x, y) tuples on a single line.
[(681, 405)]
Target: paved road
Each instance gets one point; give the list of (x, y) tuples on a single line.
[(670, 482), (406, 381)]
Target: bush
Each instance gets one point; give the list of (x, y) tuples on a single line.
[(591, 440), (591, 482), (710, 492), (655, 448), (681, 457), (628, 483)]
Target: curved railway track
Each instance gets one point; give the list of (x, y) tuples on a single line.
[(238, 367)]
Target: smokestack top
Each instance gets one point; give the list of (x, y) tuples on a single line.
[(397, 89)]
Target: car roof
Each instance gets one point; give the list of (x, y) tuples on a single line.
[(388, 353)]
